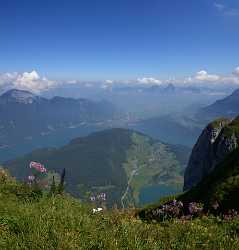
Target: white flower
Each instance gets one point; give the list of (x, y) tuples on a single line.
[(96, 210)]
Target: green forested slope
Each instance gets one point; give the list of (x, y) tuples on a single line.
[(118, 162)]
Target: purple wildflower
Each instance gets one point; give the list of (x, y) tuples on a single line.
[(194, 208), (215, 205), (92, 198)]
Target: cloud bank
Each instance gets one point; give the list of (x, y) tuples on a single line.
[(204, 77), (200, 77), (149, 80), (31, 81), (236, 72)]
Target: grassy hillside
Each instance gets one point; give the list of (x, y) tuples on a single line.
[(30, 221), (118, 162)]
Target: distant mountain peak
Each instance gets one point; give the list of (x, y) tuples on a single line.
[(18, 96), (236, 92), (17, 91), (170, 88)]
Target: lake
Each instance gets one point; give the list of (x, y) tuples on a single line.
[(155, 193), (57, 138)]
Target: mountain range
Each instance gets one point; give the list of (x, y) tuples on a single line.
[(185, 128), (25, 116), (173, 129), (226, 107)]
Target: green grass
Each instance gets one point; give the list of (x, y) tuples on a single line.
[(62, 222), (232, 128), (216, 123)]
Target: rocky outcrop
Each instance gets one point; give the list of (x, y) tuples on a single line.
[(217, 140)]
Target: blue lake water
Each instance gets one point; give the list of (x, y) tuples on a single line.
[(155, 193), (55, 139)]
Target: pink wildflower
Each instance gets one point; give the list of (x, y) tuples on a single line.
[(38, 166)]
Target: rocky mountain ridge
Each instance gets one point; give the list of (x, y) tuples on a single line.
[(217, 140), (19, 96)]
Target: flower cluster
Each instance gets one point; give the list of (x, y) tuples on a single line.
[(187, 211), (230, 215), (170, 210), (38, 167), (38, 175), (176, 209), (195, 208), (99, 197)]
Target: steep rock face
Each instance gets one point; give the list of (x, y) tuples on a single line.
[(220, 186), (217, 140)]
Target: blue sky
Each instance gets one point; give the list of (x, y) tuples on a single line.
[(124, 39)]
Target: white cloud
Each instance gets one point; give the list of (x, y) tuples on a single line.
[(219, 6), (27, 79), (109, 81), (236, 72), (108, 84), (31, 81), (204, 76), (149, 80), (226, 10)]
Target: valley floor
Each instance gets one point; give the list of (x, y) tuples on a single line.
[(62, 222)]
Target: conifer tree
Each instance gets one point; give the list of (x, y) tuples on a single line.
[(53, 186), (62, 182)]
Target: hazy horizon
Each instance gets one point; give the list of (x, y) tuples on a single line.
[(44, 43)]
